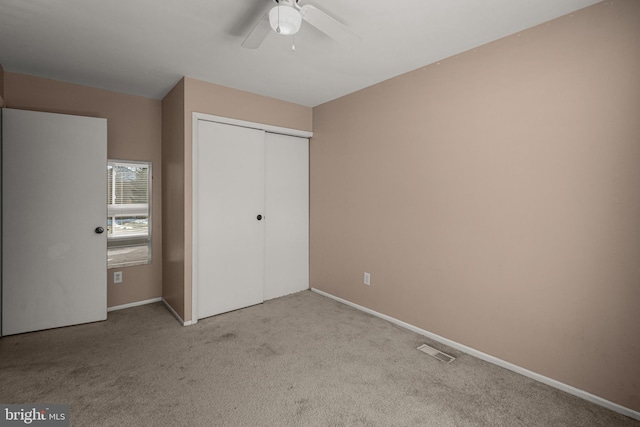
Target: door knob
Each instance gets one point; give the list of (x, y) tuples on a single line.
[(99, 230), (259, 217)]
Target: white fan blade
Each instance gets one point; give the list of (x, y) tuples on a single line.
[(258, 34), (329, 25)]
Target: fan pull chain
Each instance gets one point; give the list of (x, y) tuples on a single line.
[(293, 44), (278, 27)]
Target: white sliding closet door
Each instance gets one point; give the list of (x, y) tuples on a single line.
[(251, 216), (287, 215), (228, 198)]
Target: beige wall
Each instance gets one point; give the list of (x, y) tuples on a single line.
[(203, 97), (173, 128), (133, 133), (1, 86), (494, 198)]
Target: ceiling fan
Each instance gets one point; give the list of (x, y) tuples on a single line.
[(286, 18)]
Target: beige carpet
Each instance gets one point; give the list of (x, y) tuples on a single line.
[(301, 360)]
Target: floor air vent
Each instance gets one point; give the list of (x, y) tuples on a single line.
[(443, 357)]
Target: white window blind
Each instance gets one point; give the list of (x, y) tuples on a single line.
[(129, 219)]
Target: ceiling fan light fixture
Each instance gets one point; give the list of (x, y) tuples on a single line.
[(285, 18)]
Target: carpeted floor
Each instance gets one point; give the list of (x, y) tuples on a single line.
[(301, 360)]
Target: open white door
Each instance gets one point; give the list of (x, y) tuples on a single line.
[(53, 203)]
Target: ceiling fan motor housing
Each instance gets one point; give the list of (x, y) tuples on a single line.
[(284, 18)]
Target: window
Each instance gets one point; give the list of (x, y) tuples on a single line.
[(128, 213)]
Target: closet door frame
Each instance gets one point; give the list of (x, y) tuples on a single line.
[(196, 117)]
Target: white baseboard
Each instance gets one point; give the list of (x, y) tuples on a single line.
[(491, 359), (133, 304), (182, 322)]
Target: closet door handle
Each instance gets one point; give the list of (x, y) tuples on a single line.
[(259, 217)]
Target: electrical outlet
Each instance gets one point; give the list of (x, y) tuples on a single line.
[(367, 279), (117, 277)]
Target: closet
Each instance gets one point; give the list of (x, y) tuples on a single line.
[(250, 215)]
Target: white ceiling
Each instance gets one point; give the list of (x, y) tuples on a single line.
[(144, 47)]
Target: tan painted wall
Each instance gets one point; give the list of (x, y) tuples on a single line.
[(133, 133), (173, 128), (495, 199), (217, 100), (1, 86)]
